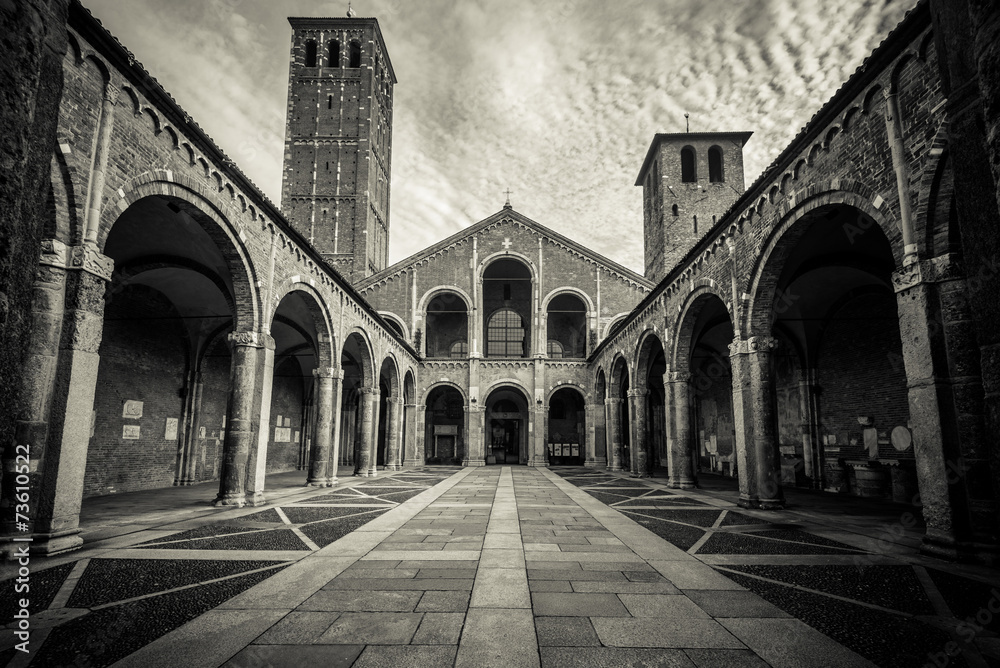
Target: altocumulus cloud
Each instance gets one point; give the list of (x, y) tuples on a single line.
[(557, 100)]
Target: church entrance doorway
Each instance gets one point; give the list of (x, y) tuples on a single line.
[(506, 427)]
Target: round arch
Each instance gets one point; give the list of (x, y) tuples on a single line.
[(510, 382), (365, 352), (506, 255), (680, 343), (614, 321), (210, 216), (567, 289), (643, 349), (394, 319), (784, 237), (435, 291), (568, 385), (389, 369), (326, 342), (443, 383)]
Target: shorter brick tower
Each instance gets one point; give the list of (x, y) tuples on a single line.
[(688, 181), (338, 141)]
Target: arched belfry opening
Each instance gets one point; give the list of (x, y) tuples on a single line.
[(507, 299), (506, 426), (716, 165), (447, 326), (689, 165), (310, 59)]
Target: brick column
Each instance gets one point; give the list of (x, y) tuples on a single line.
[(319, 458), (240, 436), (59, 380), (638, 423), (754, 419), (612, 407), (680, 463), (394, 438)]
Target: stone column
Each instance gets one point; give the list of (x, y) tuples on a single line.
[(394, 438), (319, 458), (421, 435), (365, 461), (333, 467), (941, 468), (187, 470), (812, 451), (680, 462), (753, 412), (261, 422), (59, 380), (411, 456), (537, 451), (240, 436), (612, 407), (640, 437), (475, 447), (596, 444)]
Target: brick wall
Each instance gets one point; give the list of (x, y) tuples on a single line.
[(287, 397)]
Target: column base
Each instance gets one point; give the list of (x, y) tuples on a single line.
[(393, 467), (411, 465), (257, 499), (539, 464), (615, 468), (372, 472), (360, 474), (474, 462), (681, 484), (760, 504), (319, 482), (596, 462), (42, 544), (237, 499)]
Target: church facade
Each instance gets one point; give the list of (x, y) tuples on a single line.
[(831, 326)]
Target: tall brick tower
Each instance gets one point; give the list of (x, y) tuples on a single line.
[(688, 181), (338, 141)]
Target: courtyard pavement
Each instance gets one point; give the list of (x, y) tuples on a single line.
[(502, 566)]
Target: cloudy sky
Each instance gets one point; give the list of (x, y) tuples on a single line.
[(555, 99)]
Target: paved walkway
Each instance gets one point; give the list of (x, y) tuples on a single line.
[(505, 566)]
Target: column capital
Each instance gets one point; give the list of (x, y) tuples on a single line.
[(638, 393), (111, 93), (754, 344), (677, 377), (329, 372), (368, 391), (250, 340), (396, 401), (613, 400), (54, 254), (87, 258)]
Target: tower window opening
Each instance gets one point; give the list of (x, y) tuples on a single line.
[(334, 54), (694, 224), (311, 53), (355, 55), (689, 170), (675, 210), (329, 102), (716, 168)]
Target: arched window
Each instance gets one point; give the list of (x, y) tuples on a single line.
[(311, 53), (505, 334), (567, 326), (459, 349), (554, 349), (447, 325), (355, 55), (507, 287), (716, 168), (689, 168), (675, 210), (334, 54)]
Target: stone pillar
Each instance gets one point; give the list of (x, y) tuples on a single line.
[(59, 380), (596, 437), (680, 463), (319, 458), (537, 451), (941, 439), (394, 438), (261, 422), (640, 437), (239, 438), (475, 446), (187, 470), (100, 165), (812, 450), (411, 454), (421, 434), (612, 407), (365, 462), (753, 412)]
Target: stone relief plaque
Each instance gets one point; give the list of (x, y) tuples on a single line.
[(130, 431), (132, 409)]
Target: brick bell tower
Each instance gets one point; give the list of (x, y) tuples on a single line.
[(688, 181), (338, 141)]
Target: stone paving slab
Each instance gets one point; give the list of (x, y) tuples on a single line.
[(603, 657), (657, 632), (285, 656), (769, 639)]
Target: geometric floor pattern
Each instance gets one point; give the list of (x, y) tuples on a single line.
[(96, 611), (896, 615), (507, 566)]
